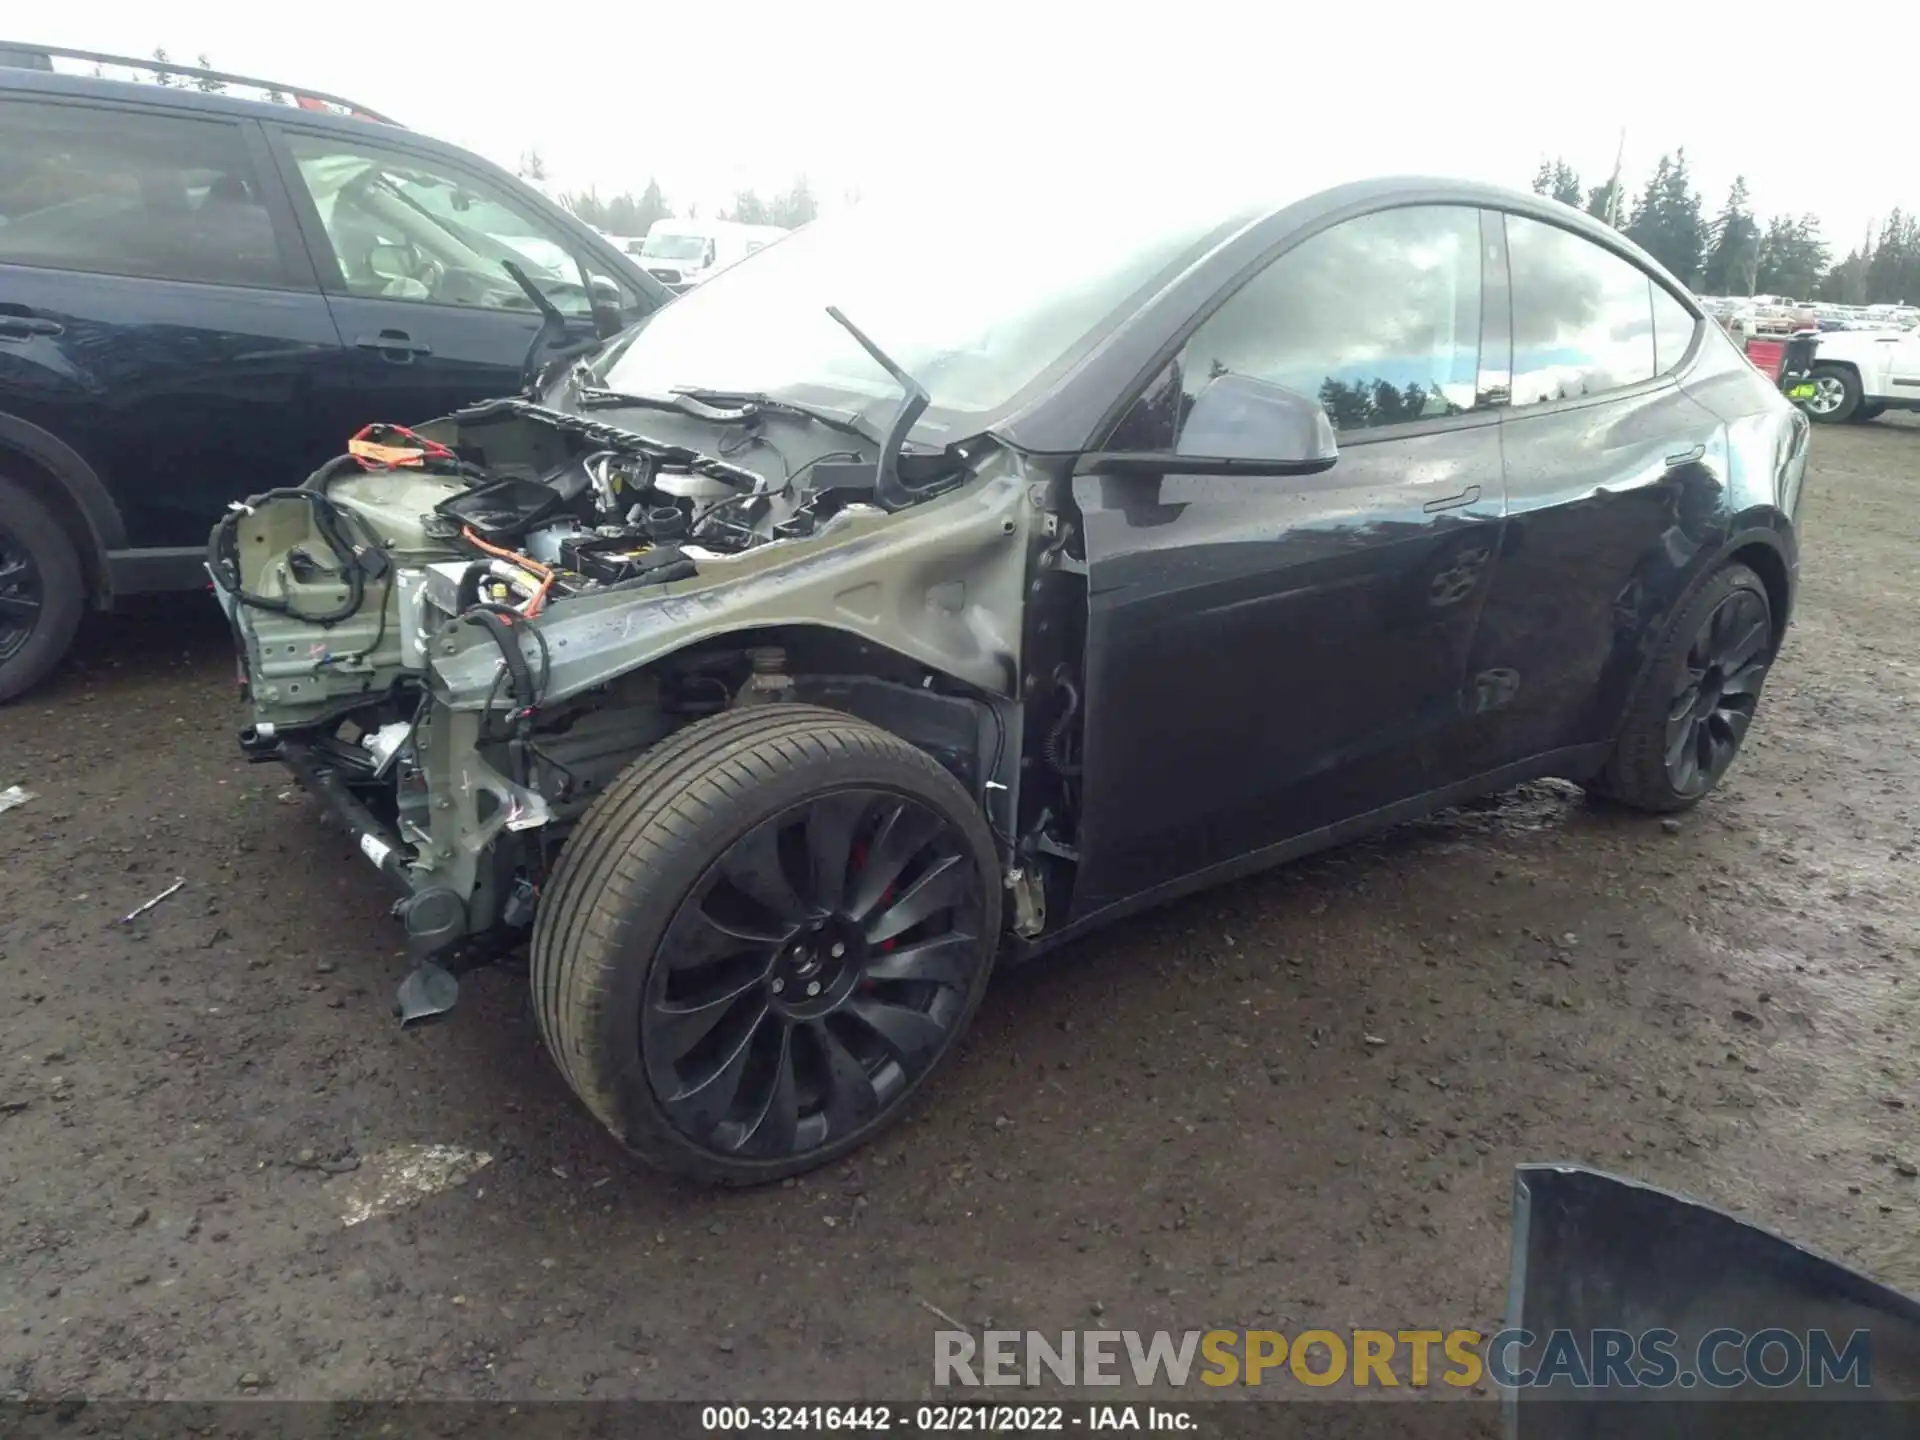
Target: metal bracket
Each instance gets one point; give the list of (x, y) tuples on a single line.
[(1029, 902)]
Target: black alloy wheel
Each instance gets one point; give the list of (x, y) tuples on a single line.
[(43, 590), (1697, 697), (1718, 691), (763, 939), (22, 594), (813, 974)]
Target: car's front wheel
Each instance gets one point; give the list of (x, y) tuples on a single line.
[(42, 590), (1697, 698), (763, 938), (1836, 394)]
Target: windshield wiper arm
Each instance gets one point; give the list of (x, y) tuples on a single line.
[(889, 488)]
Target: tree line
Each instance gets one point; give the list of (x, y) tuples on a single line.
[(1732, 253), (629, 214)]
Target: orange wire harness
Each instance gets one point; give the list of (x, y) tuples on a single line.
[(531, 566)]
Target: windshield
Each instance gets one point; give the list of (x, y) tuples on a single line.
[(674, 247), (969, 315)]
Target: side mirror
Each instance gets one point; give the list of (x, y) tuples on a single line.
[(1237, 417), (391, 262)]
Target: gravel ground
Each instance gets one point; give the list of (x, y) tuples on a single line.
[(1293, 1101)]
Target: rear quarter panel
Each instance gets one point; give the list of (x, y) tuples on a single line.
[(1767, 435)]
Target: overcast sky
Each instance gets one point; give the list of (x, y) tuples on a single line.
[(887, 97)]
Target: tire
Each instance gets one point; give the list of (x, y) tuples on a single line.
[(1869, 412), (1714, 657), (1837, 395), (43, 591), (689, 980)]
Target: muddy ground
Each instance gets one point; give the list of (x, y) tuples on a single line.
[(1182, 1122)]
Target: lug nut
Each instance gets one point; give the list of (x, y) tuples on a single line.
[(813, 987), (838, 949), (778, 986)]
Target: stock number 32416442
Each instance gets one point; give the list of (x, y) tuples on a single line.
[(877, 1419)]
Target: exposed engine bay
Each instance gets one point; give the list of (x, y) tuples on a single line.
[(456, 636), (528, 508)]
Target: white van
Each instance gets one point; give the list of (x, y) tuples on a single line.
[(682, 253)]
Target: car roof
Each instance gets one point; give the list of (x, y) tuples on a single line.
[(19, 81), (185, 97)]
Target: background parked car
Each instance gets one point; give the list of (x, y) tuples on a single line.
[(203, 295), (682, 253)]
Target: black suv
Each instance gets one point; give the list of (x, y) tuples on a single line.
[(202, 295)]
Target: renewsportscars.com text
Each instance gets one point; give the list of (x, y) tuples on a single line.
[(1517, 1359)]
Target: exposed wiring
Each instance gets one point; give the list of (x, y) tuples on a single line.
[(379, 634), (720, 507), (355, 566), (993, 769), (505, 625), (569, 781), (752, 438), (821, 459), (533, 567)]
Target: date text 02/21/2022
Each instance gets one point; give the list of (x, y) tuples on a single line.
[(940, 1419)]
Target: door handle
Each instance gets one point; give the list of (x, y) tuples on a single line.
[(25, 327), (1687, 457), (1453, 502), (396, 345)]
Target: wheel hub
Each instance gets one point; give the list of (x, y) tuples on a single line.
[(21, 595), (817, 966)]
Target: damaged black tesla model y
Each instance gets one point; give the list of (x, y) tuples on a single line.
[(889, 606)]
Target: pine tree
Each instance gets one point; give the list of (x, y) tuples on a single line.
[(1557, 178), (747, 209), (1600, 201), (1667, 222), (1793, 257), (1734, 253), (652, 206), (796, 207)]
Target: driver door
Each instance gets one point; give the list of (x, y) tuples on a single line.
[(409, 248), (1272, 657)]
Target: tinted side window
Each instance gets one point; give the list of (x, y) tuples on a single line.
[(1378, 319), (163, 197), (1672, 328), (1582, 316), (404, 228)]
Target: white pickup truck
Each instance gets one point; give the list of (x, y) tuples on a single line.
[(1861, 374)]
